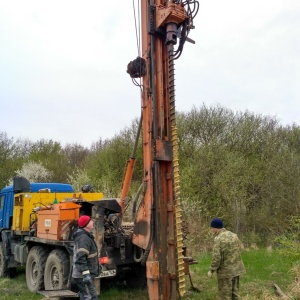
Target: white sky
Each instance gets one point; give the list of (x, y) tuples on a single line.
[(63, 65)]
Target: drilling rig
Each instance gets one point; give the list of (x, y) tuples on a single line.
[(165, 26)]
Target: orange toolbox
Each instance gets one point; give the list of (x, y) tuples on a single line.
[(55, 223)]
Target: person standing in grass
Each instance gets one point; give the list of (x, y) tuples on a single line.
[(226, 261), (85, 259)]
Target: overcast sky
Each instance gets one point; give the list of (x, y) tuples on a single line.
[(63, 65)]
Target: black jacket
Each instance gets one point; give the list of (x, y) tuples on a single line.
[(85, 254)]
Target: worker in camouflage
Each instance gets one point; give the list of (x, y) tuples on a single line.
[(226, 261)]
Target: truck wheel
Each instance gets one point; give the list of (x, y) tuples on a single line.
[(136, 279), (57, 270), (4, 270), (35, 267)]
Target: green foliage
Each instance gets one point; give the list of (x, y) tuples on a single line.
[(106, 165), (11, 158), (78, 178), (290, 241), (239, 166), (76, 155), (51, 155)]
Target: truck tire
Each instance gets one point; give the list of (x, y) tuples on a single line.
[(4, 270), (35, 267), (57, 270)]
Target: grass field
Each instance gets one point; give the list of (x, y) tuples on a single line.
[(264, 268)]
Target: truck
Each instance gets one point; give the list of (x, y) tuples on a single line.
[(37, 222), (38, 233)]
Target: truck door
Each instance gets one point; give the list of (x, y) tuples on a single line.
[(6, 208)]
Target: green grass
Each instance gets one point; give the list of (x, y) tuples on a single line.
[(263, 269), (16, 289)]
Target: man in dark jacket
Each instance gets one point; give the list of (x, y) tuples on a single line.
[(226, 261), (85, 259)]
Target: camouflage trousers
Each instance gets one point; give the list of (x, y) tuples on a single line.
[(229, 288)]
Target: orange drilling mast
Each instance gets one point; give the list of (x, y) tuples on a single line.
[(157, 230)]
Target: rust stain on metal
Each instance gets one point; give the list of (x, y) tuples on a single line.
[(152, 270)]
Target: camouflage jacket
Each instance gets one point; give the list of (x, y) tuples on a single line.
[(226, 258)]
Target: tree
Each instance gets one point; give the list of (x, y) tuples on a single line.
[(239, 166), (78, 178), (51, 155), (12, 155), (76, 155), (34, 172), (107, 163)]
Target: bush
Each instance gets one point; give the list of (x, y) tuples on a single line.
[(289, 244)]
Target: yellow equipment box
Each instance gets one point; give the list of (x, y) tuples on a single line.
[(24, 203)]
